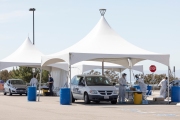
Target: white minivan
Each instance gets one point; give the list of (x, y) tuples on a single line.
[(93, 88)]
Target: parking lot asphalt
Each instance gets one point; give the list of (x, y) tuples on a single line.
[(18, 108)]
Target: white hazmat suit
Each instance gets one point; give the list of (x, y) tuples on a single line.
[(122, 90), (143, 86), (163, 85)]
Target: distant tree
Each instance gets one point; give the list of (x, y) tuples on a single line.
[(44, 76), (25, 73), (4, 75), (157, 78), (92, 72), (112, 75)]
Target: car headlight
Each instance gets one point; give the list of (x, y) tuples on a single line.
[(14, 87), (93, 92), (115, 92)]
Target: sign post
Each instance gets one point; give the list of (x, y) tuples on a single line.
[(152, 68)]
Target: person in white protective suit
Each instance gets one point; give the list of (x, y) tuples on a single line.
[(163, 85), (122, 88), (142, 85)]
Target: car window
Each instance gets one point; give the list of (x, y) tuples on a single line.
[(73, 80), (7, 81), (17, 82), (76, 82), (97, 81), (81, 81)]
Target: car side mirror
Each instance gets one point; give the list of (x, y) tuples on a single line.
[(114, 84)]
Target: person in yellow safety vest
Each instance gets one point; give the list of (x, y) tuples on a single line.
[(122, 88)]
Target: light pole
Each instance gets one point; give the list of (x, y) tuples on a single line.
[(33, 9), (33, 70)]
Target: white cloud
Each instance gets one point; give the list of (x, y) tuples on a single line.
[(4, 17)]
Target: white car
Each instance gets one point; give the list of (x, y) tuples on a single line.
[(15, 86), (93, 88)]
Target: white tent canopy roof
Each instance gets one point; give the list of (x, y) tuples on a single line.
[(104, 44), (27, 55), (90, 65)]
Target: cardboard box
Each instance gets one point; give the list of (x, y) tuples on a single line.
[(158, 99), (132, 89)]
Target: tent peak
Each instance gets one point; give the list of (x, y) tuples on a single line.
[(102, 11)]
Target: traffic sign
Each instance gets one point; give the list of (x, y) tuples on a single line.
[(152, 68)]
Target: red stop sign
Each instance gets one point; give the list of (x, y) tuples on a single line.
[(152, 68)]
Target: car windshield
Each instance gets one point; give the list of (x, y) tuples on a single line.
[(97, 81), (17, 82)]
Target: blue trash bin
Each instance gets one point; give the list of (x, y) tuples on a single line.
[(31, 93), (65, 96), (149, 92), (137, 87), (175, 94)]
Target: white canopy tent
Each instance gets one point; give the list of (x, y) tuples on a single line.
[(28, 55), (105, 45), (81, 67)]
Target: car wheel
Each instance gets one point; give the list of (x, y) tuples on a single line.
[(10, 92), (73, 100), (86, 98), (4, 93), (114, 102)]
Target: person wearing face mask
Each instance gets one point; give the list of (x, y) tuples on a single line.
[(142, 85), (122, 88)]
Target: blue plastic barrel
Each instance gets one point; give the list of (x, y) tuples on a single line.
[(31, 93), (149, 92), (137, 87), (65, 96), (175, 94)]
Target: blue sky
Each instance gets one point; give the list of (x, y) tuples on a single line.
[(153, 25)]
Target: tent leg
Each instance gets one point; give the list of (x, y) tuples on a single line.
[(70, 77), (40, 84), (130, 76), (168, 82), (130, 67), (120, 74), (103, 67)]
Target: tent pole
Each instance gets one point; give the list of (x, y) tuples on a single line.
[(103, 67), (130, 76), (40, 84), (168, 82), (130, 67), (70, 77), (120, 74)]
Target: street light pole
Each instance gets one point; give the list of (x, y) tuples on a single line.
[(33, 9)]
